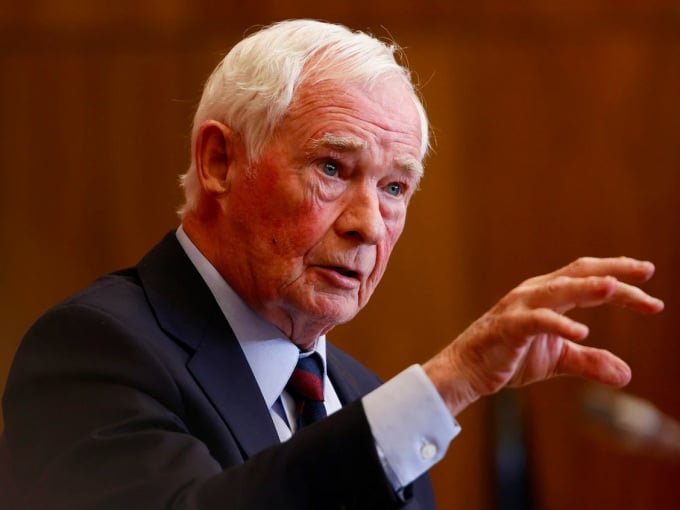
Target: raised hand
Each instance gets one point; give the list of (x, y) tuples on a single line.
[(526, 337)]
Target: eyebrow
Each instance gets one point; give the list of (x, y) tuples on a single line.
[(412, 166), (348, 144), (339, 143)]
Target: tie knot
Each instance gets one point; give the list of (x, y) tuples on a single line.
[(307, 380)]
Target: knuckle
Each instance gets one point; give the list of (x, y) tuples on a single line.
[(560, 281), (529, 281), (581, 263), (536, 318), (556, 285), (552, 287), (508, 301), (625, 262), (513, 295)]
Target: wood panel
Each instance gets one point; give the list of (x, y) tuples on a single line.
[(557, 135)]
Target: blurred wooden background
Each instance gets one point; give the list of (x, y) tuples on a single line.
[(557, 135)]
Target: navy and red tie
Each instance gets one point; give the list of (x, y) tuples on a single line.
[(306, 387)]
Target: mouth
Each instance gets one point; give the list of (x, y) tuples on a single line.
[(344, 271)]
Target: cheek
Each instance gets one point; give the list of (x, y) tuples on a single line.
[(284, 219), (294, 237), (383, 253)]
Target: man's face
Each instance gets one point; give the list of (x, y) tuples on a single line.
[(313, 224)]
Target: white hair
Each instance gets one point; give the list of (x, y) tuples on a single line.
[(252, 88)]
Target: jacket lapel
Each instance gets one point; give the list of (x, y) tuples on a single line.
[(222, 370), (350, 379), (187, 311)]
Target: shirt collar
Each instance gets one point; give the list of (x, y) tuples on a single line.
[(271, 355)]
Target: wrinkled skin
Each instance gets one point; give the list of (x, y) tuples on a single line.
[(304, 236), (526, 338)]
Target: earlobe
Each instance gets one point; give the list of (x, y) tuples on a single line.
[(214, 155)]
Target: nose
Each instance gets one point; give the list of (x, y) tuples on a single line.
[(361, 219)]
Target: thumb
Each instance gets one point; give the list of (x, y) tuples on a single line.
[(595, 364)]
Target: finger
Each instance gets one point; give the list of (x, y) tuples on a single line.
[(541, 321), (633, 297), (564, 293), (622, 268), (591, 363)]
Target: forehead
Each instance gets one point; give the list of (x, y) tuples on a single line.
[(350, 117)]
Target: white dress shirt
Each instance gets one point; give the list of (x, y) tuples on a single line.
[(408, 443)]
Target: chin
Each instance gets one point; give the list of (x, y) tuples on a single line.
[(331, 311)]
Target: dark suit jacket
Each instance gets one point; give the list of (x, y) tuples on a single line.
[(135, 394)]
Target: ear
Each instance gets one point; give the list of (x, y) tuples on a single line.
[(214, 155)]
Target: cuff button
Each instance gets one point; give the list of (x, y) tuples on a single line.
[(428, 451)]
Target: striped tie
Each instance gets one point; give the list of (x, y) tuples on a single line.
[(306, 387)]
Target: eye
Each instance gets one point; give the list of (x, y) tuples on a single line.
[(395, 188), (330, 168)]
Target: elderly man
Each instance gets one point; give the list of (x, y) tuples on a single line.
[(188, 381)]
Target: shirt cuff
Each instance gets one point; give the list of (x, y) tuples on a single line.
[(411, 425)]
